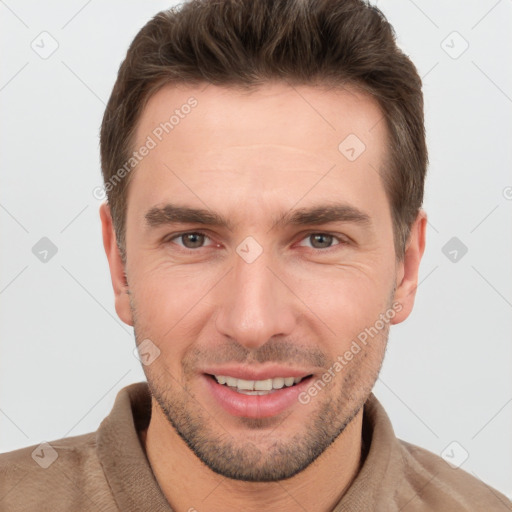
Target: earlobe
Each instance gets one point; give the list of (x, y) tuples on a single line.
[(116, 265), (408, 269)]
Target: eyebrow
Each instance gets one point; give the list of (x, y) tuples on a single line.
[(174, 214)]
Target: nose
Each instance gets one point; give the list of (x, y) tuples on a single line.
[(256, 303)]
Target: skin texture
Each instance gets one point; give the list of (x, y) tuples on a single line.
[(252, 157)]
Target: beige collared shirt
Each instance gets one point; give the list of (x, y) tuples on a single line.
[(107, 470)]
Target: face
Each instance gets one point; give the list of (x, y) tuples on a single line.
[(259, 254)]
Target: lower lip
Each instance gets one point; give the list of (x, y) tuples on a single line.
[(255, 406)]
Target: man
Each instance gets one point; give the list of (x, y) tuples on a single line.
[(264, 164)]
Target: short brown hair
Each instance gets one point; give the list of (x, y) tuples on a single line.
[(247, 43)]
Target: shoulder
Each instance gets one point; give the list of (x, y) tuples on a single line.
[(59, 475), (433, 484)]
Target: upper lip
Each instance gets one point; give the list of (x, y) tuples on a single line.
[(251, 373)]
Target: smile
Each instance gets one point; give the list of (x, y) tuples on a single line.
[(257, 398), (257, 387)]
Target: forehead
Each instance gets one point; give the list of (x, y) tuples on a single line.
[(274, 140), (307, 112)]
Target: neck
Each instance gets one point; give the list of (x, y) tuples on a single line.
[(190, 485)]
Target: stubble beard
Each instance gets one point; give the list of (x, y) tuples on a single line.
[(255, 456)]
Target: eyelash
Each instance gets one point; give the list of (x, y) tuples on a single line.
[(340, 240)]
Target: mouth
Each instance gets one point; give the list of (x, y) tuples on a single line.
[(257, 387), (256, 398)]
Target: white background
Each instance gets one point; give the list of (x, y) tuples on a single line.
[(64, 352)]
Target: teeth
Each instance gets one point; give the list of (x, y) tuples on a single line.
[(244, 392), (231, 381), (263, 385), (278, 383), (245, 384), (257, 387)]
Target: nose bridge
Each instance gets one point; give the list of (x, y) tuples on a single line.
[(255, 305)]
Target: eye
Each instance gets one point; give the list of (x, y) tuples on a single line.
[(322, 240), (190, 240), (196, 240)]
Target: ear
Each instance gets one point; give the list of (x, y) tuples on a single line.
[(407, 271), (117, 268)]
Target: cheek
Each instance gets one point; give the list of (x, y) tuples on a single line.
[(346, 299), (169, 300)]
